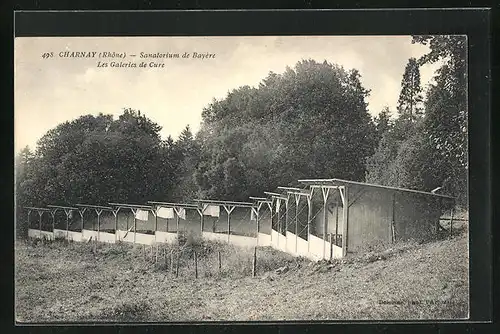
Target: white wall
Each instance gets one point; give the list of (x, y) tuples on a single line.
[(274, 239), (167, 237), (106, 237), (59, 233), (144, 239), (302, 247), (291, 243), (337, 252), (282, 242), (121, 236), (48, 235), (87, 234), (314, 249), (32, 233), (75, 236), (264, 239)]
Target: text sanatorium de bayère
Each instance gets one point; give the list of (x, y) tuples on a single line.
[(142, 55)]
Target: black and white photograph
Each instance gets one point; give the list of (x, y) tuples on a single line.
[(241, 178)]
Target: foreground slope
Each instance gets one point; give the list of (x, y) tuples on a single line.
[(75, 282)]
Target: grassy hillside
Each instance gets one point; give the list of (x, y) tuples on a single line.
[(60, 281)]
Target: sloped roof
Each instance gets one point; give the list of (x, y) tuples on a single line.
[(340, 182)]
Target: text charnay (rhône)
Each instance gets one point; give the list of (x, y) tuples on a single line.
[(131, 60)]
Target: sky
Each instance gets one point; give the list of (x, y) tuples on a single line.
[(52, 90)]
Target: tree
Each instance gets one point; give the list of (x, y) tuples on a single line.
[(410, 98), (95, 159), (186, 157), (23, 170), (445, 123), (386, 165), (383, 123), (310, 121)]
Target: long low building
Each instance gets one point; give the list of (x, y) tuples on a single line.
[(363, 215), (326, 219)]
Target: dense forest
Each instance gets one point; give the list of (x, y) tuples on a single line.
[(311, 121)]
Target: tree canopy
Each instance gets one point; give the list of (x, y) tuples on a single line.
[(311, 121), (431, 151)]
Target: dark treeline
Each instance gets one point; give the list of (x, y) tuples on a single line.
[(309, 122)]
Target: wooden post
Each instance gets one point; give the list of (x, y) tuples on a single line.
[(164, 257), (228, 225), (254, 262), (286, 220), (178, 263), (309, 214), (337, 221), (325, 218), (393, 232), (135, 228), (270, 206), (278, 220), (115, 213), (144, 252), (345, 220), (82, 212), (451, 222), (67, 224), (29, 214), (98, 223), (172, 261), (176, 222), (297, 203), (331, 246), (156, 225), (156, 255), (257, 219), (202, 221), (53, 214), (195, 265), (40, 213), (220, 261)]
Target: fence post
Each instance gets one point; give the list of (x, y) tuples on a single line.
[(40, 223), (53, 214), (309, 214), (254, 262), (451, 223), (331, 247), (195, 265), (220, 262), (178, 263), (156, 255), (67, 224), (172, 261)]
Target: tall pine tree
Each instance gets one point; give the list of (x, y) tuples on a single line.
[(410, 99), (386, 166), (444, 156)]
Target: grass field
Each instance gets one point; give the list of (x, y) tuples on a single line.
[(78, 282)]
